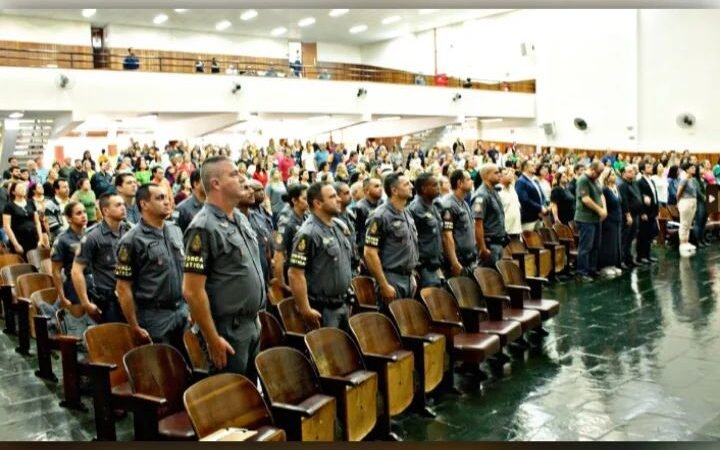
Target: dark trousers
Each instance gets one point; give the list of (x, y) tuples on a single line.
[(701, 217), (588, 246), (495, 256), (647, 230), (629, 233)]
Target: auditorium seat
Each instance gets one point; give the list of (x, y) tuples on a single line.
[(36, 255), (469, 346), (9, 259), (229, 400), (565, 236), (293, 392), (427, 346), (293, 323), (557, 250), (277, 292), (271, 332), (543, 257), (106, 345), (365, 294), (480, 315), (516, 251), (25, 285), (383, 353), (158, 377), (526, 292), (8, 274), (343, 375), (198, 358)]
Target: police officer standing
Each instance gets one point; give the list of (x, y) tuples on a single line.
[(223, 281), (126, 185), (98, 256), (489, 216), (347, 215), (391, 243), (372, 187), (320, 273), (458, 235), (288, 224), (262, 223), (63, 252), (188, 208), (149, 272), (429, 224)]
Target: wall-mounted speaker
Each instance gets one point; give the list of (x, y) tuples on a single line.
[(580, 124)]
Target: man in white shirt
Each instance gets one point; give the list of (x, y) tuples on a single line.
[(510, 203)]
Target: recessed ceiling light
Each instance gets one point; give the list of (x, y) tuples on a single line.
[(87, 13), (391, 19), (249, 14), (358, 29), (384, 119), (180, 11), (278, 31), (16, 115), (223, 25), (160, 19), (338, 12), (426, 11), (306, 22)]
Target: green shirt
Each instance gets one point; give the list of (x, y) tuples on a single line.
[(585, 186), (88, 201), (143, 177)]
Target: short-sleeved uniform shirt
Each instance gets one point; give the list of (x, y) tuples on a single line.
[(586, 186), (186, 210), (394, 234), (65, 247), (429, 228), (457, 218), (98, 253), (487, 206), (287, 227)]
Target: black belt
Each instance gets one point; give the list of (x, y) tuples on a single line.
[(497, 240), (327, 302), (159, 305), (401, 272), (431, 266)]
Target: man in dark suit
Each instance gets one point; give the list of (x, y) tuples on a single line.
[(647, 228), (532, 201), (632, 205)]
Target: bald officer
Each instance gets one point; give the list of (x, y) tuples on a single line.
[(429, 228), (489, 215), (458, 232), (223, 280)]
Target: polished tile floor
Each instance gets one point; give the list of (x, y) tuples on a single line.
[(635, 358)]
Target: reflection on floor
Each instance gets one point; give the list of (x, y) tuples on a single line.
[(635, 358)]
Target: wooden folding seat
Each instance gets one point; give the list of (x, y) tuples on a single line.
[(343, 375), (294, 395), (666, 233), (35, 256), (229, 400), (543, 257), (158, 377), (365, 294), (198, 359), (9, 259), (9, 274), (25, 285), (479, 314), (382, 350), (516, 251), (557, 250), (106, 345), (293, 323), (493, 290), (565, 236), (526, 292), (271, 332)]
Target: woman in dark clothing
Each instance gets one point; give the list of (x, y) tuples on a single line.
[(610, 254), (562, 202), (21, 221), (701, 215)]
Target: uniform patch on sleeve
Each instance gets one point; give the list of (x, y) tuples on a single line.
[(278, 238), (298, 258), (196, 259), (123, 269), (448, 220), (372, 238)]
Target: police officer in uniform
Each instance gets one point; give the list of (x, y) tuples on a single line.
[(347, 215), (262, 223), (489, 216), (288, 224), (372, 187), (98, 255), (320, 271), (429, 225), (188, 208), (223, 281), (391, 243), (149, 272), (458, 235)]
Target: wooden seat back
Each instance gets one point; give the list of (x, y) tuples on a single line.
[(226, 400), (28, 283), (36, 255), (440, 304), (490, 281), (410, 317), (333, 352), (271, 333), (198, 358), (277, 292), (108, 343), (9, 259), (466, 292), (532, 239), (47, 295), (548, 235), (287, 375), (516, 246), (364, 288), (375, 333), (158, 370), (10, 273), (674, 212), (290, 317), (511, 273)]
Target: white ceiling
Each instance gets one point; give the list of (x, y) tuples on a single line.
[(325, 29)]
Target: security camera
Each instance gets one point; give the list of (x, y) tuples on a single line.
[(361, 92), (457, 97), (63, 81), (236, 88)]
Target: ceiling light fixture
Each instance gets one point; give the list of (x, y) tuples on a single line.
[(160, 19), (87, 13), (491, 120), (306, 22), (16, 115), (249, 14), (391, 19), (426, 11), (278, 31), (358, 29), (223, 25), (338, 12), (180, 11)]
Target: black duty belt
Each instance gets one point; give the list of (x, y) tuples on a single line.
[(497, 240), (327, 302), (159, 305), (401, 272)]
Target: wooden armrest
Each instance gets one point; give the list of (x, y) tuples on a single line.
[(517, 287), (354, 379), (295, 335), (100, 366), (200, 374), (522, 253), (380, 358), (23, 300), (450, 323), (146, 400), (307, 412), (65, 338), (537, 279)]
